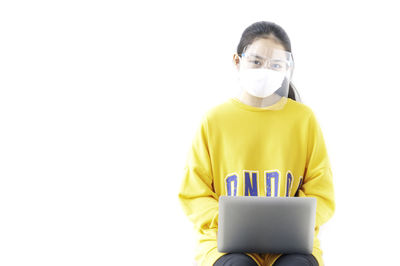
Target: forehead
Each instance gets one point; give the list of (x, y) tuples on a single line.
[(266, 48)]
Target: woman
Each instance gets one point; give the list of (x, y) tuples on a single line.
[(262, 142)]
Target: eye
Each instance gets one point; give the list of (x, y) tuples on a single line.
[(256, 62), (279, 65)]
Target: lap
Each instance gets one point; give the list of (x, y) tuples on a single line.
[(241, 259)]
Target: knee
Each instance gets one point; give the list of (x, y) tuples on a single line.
[(296, 259), (235, 259)]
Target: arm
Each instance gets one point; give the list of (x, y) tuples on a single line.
[(196, 195), (318, 181)]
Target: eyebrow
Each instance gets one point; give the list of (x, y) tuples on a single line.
[(260, 57), (257, 56)]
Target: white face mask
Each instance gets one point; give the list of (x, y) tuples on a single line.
[(260, 82)]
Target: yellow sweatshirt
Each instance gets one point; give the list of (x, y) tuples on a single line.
[(244, 150)]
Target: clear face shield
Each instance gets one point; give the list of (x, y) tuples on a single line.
[(264, 76)]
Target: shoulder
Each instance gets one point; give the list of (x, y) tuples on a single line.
[(298, 112), (298, 107), (219, 111), (309, 118)]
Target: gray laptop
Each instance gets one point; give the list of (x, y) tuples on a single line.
[(258, 224)]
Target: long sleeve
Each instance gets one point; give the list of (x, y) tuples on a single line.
[(318, 181), (197, 196)]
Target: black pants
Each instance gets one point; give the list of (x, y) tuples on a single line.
[(241, 259)]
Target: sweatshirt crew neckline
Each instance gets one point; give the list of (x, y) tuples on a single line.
[(278, 105)]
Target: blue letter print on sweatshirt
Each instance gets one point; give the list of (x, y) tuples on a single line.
[(250, 183)]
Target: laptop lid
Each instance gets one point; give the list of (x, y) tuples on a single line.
[(257, 224)]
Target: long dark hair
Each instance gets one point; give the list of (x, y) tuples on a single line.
[(264, 29)]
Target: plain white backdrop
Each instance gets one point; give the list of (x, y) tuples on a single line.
[(99, 102)]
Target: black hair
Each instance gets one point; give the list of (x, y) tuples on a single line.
[(266, 29)]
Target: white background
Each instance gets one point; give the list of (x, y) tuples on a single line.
[(99, 101)]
